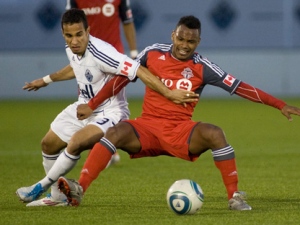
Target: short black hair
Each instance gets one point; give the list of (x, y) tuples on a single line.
[(190, 22), (72, 16)]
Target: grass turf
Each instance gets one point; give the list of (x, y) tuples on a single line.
[(133, 192)]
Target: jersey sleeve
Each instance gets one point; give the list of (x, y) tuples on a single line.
[(142, 57), (113, 87), (254, 94), (214, 75), (111, 61), (125, 11)]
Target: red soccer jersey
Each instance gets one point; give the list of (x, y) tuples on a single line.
[(192, 75), (104, 18)]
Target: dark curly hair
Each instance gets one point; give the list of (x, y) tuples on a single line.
[(190, 22), (72, 16)]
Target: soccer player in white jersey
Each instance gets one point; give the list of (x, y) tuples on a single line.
[(93, 63)]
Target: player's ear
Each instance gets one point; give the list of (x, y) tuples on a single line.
[(88, 30), (172, 35)]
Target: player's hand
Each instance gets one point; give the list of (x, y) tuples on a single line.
[(34, 85), (83, 111), (288, 110), (179, 96)]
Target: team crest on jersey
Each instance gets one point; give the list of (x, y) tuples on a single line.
[(88, 75), (187, 73)]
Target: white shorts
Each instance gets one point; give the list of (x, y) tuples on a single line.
[(66, 123)]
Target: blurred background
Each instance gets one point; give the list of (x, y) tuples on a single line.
[(256, 41)]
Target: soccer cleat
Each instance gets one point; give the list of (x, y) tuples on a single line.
[(237, 202), (71, 189), (29, 194), (48, 201)]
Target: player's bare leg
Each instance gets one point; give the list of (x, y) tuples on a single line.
[(80, 141), (51, 146), (207, 136), (123, 136)]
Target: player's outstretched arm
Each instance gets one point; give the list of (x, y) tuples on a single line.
[(256, 95), (288, 110), (177, 96), (65, 73), (113, 87), (34, 85)]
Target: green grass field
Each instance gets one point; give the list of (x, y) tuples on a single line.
[(133, 192)]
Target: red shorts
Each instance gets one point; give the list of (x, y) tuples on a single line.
[(163, 137)]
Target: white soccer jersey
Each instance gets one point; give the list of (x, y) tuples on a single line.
[(95, 68)]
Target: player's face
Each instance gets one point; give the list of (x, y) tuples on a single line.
[(76, 37), (185, 41)]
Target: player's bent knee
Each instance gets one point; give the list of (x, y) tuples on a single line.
[(75, 147), (48, 147), (120, 134), (112, 134), (213, 134)]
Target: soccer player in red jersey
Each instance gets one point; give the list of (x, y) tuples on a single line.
[(165, 128), (104, 18)]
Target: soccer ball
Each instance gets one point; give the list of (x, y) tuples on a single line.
[(185, 197)]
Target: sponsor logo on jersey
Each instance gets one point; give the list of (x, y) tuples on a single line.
[(108, 9), (187, 73), (125, 68), (89, 76), (92, 11), (229, 80), (86, 91), (184, 84)]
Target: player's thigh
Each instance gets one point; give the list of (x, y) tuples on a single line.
[(85, 138), (66, 123), (52, 144), (124, 137), (206, 136)]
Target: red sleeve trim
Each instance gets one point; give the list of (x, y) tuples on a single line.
[(113, 87), (251, 93)]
